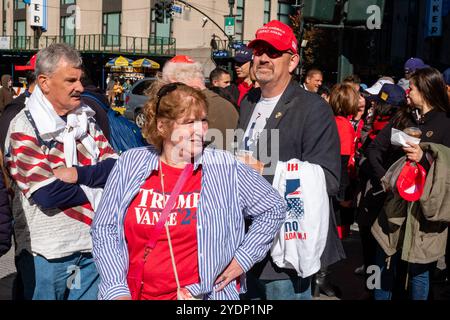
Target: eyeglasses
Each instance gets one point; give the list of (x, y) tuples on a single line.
[(164, 91), (271, 52)]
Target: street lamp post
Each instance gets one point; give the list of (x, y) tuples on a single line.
[(231, 5), (299, 5)]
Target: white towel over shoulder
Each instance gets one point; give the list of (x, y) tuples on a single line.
[(52, 127), (302, 238)]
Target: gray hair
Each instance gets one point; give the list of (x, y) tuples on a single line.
[(48, 58), (182, 72)]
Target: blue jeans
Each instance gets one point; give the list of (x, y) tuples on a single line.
[(70, 278), (418, 277), (295, 288), (290, 289)]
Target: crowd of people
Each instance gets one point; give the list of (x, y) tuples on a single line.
[(117, 90), (246, 190)]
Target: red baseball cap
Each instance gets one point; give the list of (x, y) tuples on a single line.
[(182, 59), (278, 35), (411, 181), (29, 66)]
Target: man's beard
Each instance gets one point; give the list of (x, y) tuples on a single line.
[(263, 78)]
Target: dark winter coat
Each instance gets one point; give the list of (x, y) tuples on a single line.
[(5, 217)]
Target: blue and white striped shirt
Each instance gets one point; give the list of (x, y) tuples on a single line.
[(230, 191)]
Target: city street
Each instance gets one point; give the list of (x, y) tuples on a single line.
[(133, 102)]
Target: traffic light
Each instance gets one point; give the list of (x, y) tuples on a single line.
[(319, 10), (159, 12), (168, 8)]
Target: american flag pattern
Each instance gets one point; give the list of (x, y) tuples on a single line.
[(31, 164), (293, 194), (54, 233), (295, 206)]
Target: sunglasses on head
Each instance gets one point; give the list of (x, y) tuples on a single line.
[(271, 52), (164, 91)]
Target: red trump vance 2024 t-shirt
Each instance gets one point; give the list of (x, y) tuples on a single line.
[(140, 221)]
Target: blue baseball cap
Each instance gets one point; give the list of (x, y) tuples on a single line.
[(412, 64), (392, 94), (243, 55), (446, 75)]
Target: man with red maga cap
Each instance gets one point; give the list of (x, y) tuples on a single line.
[(281, 121)]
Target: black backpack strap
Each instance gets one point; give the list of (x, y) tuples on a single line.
[(49, 144)]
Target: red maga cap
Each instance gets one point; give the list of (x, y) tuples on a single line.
[(278, 35), (411, 181), (29, 66), (182, 59)]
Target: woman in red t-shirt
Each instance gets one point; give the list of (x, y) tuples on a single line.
[(178, 229), (344, 100)]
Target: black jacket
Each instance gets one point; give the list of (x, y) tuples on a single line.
[(435, 127), (11, 110), (308, 132)]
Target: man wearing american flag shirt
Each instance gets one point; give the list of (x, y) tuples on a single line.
[(59, 160)]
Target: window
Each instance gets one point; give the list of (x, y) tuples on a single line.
[(284, 10), (68, 29), (111, 29), (266, 11), (67, 2), (19, 4), (161, 30), (240, 20), (20, 34)]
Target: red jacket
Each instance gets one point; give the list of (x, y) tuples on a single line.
[(243, 88), (347, 136)]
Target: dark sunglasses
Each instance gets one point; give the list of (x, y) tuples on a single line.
[(164, 91), (271, 52)]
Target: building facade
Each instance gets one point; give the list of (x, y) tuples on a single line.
[(101, 29)]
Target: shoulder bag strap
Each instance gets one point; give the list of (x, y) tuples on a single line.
[(136, 295), (187, 171)]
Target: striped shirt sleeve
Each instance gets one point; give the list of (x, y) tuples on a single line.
[(109, 254), (264, 205)]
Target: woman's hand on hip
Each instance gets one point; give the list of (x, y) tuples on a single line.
[(230, 273)]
